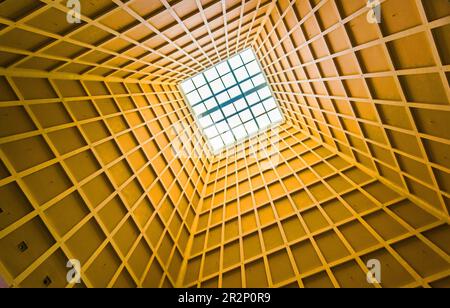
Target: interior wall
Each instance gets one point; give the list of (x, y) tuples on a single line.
[(100, 159), (376, 92), (315, 220), (90, 171)]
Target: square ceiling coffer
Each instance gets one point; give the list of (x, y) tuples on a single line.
[(232, 101)]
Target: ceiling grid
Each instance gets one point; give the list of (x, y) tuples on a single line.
[(102, 159)]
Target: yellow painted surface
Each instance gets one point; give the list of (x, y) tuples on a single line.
[(101, 160)]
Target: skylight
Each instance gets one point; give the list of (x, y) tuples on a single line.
[(232, 101)]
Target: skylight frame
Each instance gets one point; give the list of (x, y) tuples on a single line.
[(211, 94)]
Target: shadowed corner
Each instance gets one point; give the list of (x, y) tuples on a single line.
[(225, 144)]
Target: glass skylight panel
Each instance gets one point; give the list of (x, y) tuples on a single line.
[(228, 80), (264, 93), (240, 132), (205, 92), (211, 132), (229, 110), (210, 103), (251, 127), (217, 116), (223, 68), (223, 97), (222, 127), (235, 62), (232, 101), (246, 115), (206, 121), (188, 86), (258, 109), (270, 104), (199, 80), (216, 144), (241, 74), (199, 109), (247, 56), (240, 104), (275, 115), (217, 86), (246, 85), (263, 121), (194, 97), (253, 68), (234, 92), (228, 138), (234, 121), (211, 74), (258, 80), (252, 98)]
